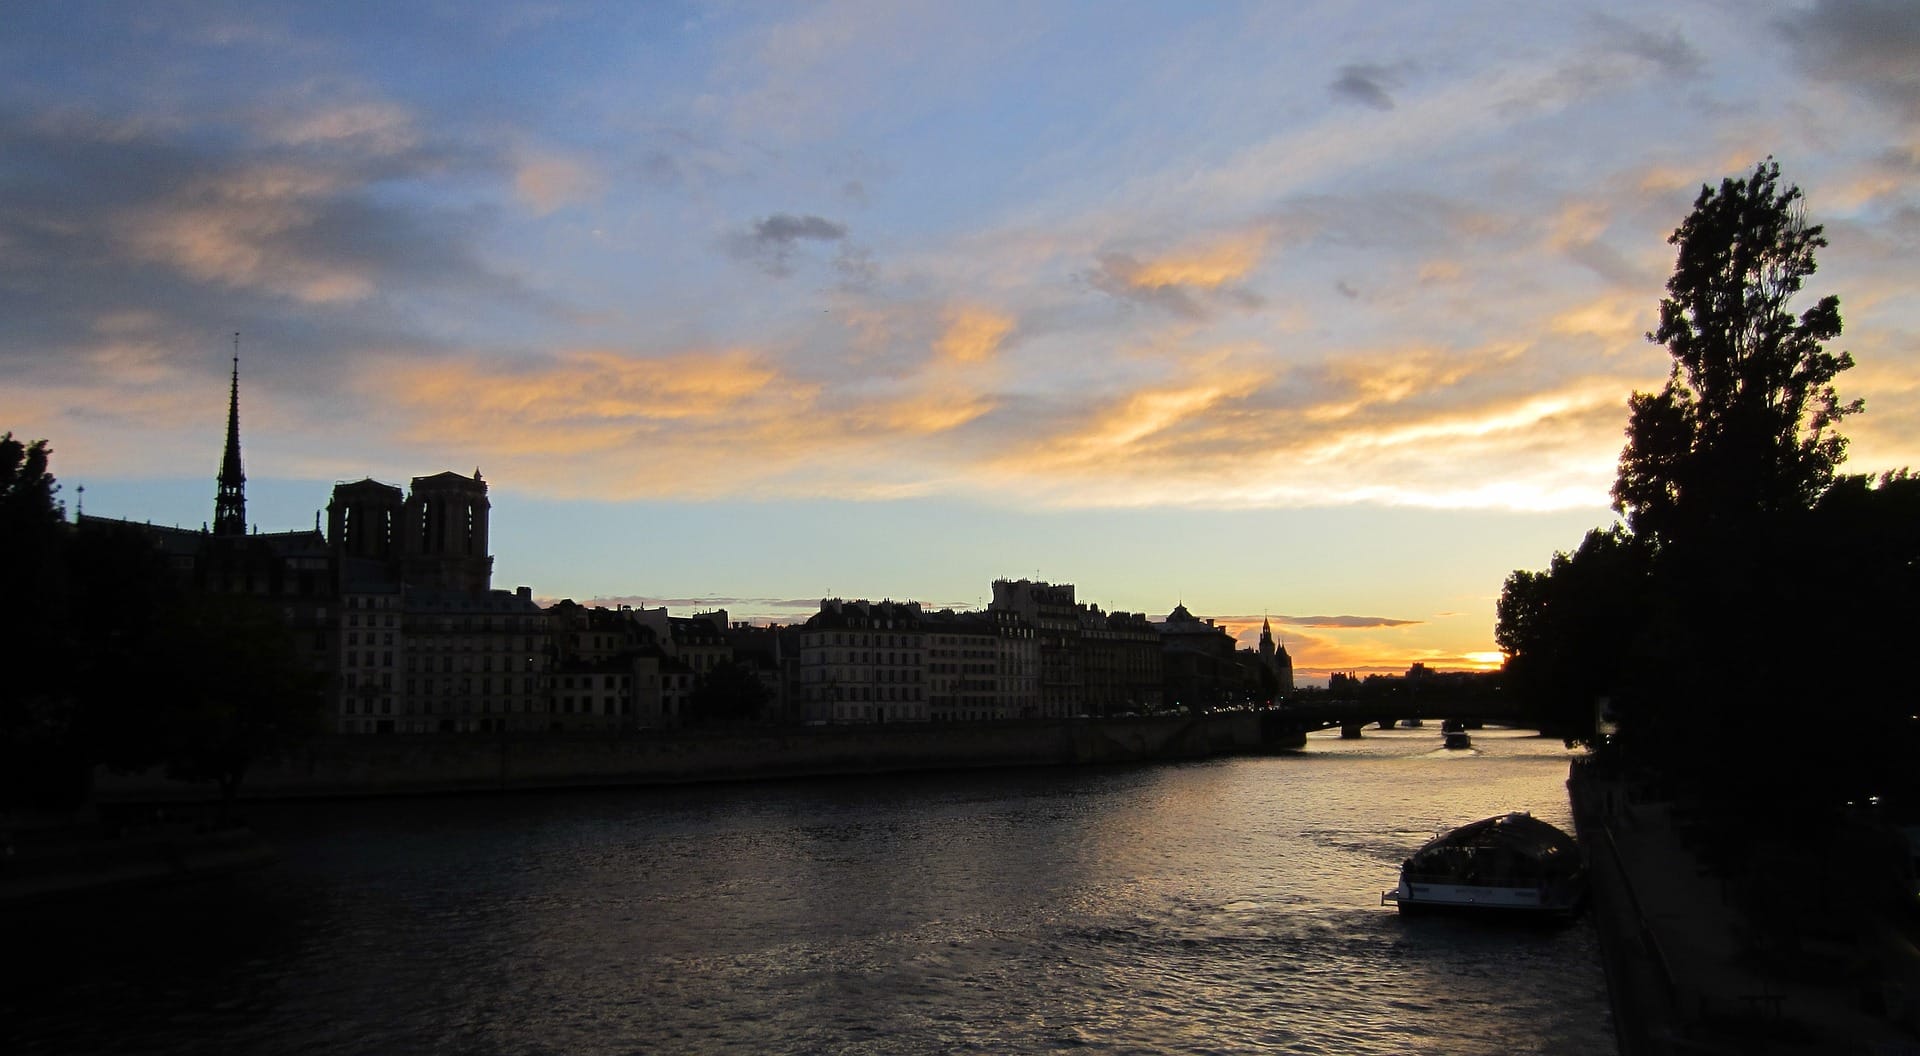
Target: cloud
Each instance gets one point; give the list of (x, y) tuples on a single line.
[(1618, 320), (1343, 622), (116, 217), (577, 394), (696, 423), (1132, 430), (251, 228), (1870, 45), (1365, 84), (772, 241), (372, 127), (1190, 283), (547, 183), (973, 335), (1670, 52), (781, 229)]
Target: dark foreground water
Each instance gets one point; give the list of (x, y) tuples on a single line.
[(1221, 907)]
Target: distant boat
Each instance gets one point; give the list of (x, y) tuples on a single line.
[(1512, 863), (1456, 739)]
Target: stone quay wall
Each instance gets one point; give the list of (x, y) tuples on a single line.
[(373, 765)]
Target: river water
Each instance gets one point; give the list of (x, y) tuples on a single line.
[(1227, 906)]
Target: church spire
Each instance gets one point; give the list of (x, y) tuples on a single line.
[(230, 507)]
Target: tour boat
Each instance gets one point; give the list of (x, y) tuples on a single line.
[(1510, 862), (1453, 734)]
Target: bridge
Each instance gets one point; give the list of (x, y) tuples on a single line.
[(1293, 720)]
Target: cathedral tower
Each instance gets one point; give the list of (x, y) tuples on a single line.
[(443, 533), (363, 520)]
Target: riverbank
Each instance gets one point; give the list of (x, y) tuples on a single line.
[(1770, 948), (92, 857), (383, 765)]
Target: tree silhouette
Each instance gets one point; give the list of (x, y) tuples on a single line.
[(1744, 427), (113, 660), (1740, 543), (730, 691), (238, 690), (37, 717), (1571, 631)]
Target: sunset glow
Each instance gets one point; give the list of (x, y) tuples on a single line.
[(1260, 308)]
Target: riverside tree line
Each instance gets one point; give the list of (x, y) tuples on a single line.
[(1746, 623)]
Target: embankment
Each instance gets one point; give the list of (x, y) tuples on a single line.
[(443, 763), (1779, 948)]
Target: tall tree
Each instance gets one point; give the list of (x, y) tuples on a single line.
[(1745, 426), (36, 712)]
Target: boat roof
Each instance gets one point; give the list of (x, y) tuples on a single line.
[(1516, 832)]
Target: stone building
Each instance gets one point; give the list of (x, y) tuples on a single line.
[(1049, 608), (424, 644), (1120, 662), (864, 661), (963, 660), (1201, 671), (475, 662)]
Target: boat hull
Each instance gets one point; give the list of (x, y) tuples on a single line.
[(1480, 898)]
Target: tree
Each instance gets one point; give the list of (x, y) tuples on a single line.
[(1721, 477), (36, 713), (113, 660), (1572, 633), (1744, 428), (238, 690), (729, 692)]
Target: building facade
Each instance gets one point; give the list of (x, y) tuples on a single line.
[(1049, 608), (864, 661)]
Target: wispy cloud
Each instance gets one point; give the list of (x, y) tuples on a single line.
[(1344, 622), (1365, 84), (973, 334), (1872, 46), (1190, 283), (548, 182), (772, 241)]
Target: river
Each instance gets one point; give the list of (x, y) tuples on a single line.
[(1227, 906)]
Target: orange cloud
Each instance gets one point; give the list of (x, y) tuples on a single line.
[(1207, 267), (228, 230), (1618, 320), (973, 335), (1391, 378), (586, 386), (700, 423), (1122, 426), (922, 415)]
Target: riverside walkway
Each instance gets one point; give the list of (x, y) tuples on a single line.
[(1690, 972)]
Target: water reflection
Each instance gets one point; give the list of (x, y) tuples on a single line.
[(1209, 907)]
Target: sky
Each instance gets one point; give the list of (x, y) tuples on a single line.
[(1323, 313)]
